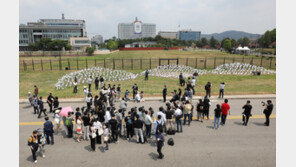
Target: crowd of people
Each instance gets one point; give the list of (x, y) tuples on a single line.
[(100, 121)]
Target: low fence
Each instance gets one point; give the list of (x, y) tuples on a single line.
[(139, 63), (150, 48)]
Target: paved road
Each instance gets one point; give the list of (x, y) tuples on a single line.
[(198, 145)]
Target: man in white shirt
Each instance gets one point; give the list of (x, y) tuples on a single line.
[(221, 93), (89, 82), (178, 116), (163, 117), (107, 117)]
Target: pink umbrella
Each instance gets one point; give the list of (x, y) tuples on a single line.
[(65, 110)]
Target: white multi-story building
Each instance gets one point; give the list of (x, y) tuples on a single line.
[(135, 30), (61, 29)]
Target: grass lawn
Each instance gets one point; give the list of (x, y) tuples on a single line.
[(265, 84), (131, 60)]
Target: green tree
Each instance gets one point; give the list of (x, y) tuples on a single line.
[(243, 41), (233, 43), (112, 45), (227, 45), (213, 42), (223, 40), (204, 41), (90, 50)]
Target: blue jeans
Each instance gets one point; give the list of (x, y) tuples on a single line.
[(148, 130), (119, 126), (189, 119), (119, 93), (179, 123), (216, 122)]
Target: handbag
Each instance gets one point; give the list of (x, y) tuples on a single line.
[(93, 135), (100, 132)]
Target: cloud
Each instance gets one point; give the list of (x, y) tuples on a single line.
[(208, 16)]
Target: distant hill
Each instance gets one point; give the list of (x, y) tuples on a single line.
[(231, 34)]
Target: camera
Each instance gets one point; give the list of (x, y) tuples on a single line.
[(263, 103), (134, 109)]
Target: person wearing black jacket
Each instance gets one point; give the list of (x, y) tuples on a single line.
[(135, 90), (33, 144), (164, 93), (129, 126), (114, 132), (56, 103), (206, 110), (50, 102), (48, 130), (138, 125), (218, 112), (267, 111), (101, 80), (208, 89), (41, 107), (97, 83), (247, 112)]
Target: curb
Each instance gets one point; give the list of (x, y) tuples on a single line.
[(81, 100)]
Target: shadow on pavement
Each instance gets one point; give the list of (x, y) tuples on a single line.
[(258, 123), (153, 156), (29, 106), (210, 127), (238, 123), (102, 149), (87, 148)]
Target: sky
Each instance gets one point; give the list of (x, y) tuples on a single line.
[(208, 16)]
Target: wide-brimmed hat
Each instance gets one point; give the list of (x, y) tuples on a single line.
[(57, 111)]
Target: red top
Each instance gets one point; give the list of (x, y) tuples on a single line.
[(225, 107)]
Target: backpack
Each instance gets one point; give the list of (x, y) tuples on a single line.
[(171, 142), (171, 131), (68, 122), (159, 126)]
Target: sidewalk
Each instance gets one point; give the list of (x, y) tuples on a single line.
[(263, 96)]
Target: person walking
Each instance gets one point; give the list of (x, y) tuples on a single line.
[(118, 89), (164, 93), (89, 83), (101, 80), (56, 103), (247, 112), (50, 99), (138, 125), (160, 143), (36, 91), (41, 142), (126, 95), (267, 111), (35, 105), (178, 116), (97, 83), (217, 116), (75, 87), (92, 136), (146, 75), (57, 119), (33, 144), (41, 107), (48, 130), (208, 89), (79, 128), (135, 90), (225, 111), (221, 92)]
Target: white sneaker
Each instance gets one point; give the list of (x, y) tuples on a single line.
[(35, 161), (43, 156)]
